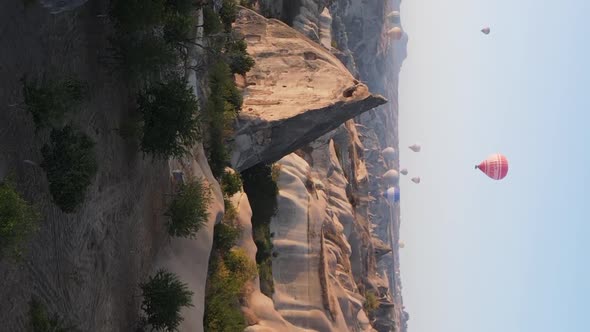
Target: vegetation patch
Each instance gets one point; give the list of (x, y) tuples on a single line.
[(19, 220), (41, 321), (153, 36), (164, 295), (371, 304), (229, 271), (171, 120), (231, 183), (50, 100), (223, 105), (261, 187), (70, 164), (188, 210)]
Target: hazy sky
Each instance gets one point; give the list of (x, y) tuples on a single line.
[(484, 255)]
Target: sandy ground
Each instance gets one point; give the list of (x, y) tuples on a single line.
[(84, 266)]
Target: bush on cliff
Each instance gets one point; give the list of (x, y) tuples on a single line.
[(229, 272), (70, 164), (19, 220), (188, 211), (49, 100), (164, 295), (171, 120)]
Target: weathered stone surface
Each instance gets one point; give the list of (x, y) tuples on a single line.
[(58, 6), (296, 92)]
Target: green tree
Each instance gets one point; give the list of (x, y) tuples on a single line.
[(239, 60), (231, 183), (228, 14), (49, 100), (137, 15), (18, 221), (225, 236), (188, 211), (211, 21), (70, 165), (144, 56), (171, 122), (164, 295)]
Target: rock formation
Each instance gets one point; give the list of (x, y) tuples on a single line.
[(296, 92)]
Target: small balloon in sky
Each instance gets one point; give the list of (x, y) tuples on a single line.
[(415, 147), (404, 171), (495, 166), (416, 179), (486, 30)]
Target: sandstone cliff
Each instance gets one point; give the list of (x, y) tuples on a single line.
[(296, 92)]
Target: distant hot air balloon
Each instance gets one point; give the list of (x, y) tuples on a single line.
[(392, 194), (404, 171), (486, 30), (390, 177), (388, 153), (395, 33), (402, 244), (415, 147), (416, 179), (495, 166), (394, 17)]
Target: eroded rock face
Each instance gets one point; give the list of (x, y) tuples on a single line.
[(296, 92), (58, 6)]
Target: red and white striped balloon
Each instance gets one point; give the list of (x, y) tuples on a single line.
[(495, 166)]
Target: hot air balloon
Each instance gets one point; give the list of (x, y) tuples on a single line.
[(392, 195), (390, 177), (415, 147), (395, 33), (402, 244), (393, 17), (486, 30), (404, 171), (416, 179), (495, 166), (388, 153)]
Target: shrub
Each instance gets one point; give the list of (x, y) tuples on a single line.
[(188, 211), (40, 321), (171, 123), (228, 14), (144, 56), (223, 104), (231, 183), (18, 221), (239, 60), (231, 213), (178, 28), (211, 21), (225, 236), (371, 303), (164, 295), (70, 165), (49, 100), (136, 15), (228, 275)]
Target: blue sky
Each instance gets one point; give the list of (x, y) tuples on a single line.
[(484, 255)]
